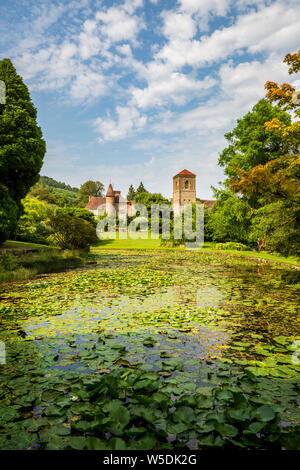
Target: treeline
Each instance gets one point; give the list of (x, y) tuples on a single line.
[(52, 183)]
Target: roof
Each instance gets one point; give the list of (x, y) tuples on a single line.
[(185, 173), (209, 203), (95, 202), (110, 191)]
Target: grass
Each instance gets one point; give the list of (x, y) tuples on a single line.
[(15, 245), (149, 244), (22, 266)]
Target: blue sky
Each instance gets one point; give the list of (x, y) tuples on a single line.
[(131, 90)]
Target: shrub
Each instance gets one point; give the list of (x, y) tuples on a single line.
[(231, 246), (71, 232), (33, 225)]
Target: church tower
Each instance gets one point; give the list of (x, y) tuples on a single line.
[(184, 190)]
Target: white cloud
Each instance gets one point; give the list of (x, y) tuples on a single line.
[(88, 85), (128, 120), (118, 25), (178, 25), (270, 28), (176, 87), (204, 7), (89, 42)]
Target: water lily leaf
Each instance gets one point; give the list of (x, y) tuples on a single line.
[(265, 413), (93, 443), (185, 414), (77, 442)]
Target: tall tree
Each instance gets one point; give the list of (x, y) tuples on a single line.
[(90, 188), (141, 189), (249, 142), (22, 147), (276, 183), (131, 193)]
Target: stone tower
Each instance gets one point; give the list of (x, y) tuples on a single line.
[(110, 201), (184, 190)]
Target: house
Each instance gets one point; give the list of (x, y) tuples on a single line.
[(112, 203)]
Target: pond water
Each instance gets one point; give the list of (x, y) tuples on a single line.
[(179, 314)]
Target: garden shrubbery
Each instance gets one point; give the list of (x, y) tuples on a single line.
[(231, 246)]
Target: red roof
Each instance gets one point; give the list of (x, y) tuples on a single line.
[(185, 173), (110, 191), (95, 202), (209, 203)]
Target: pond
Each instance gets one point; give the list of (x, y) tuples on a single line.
[(180, 324)]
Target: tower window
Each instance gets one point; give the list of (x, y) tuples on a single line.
[(186, 184)]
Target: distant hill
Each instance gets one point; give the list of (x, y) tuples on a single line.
[(52, 183), (65, 194)]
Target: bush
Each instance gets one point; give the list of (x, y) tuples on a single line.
[(33, 225), (71, 232), (8, 263), (79, 212), (231, 246)]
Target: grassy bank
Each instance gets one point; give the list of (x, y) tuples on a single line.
[(12, 246), (31, 259), (210, 247)]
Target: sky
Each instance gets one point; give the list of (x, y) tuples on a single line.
[(138, 90)]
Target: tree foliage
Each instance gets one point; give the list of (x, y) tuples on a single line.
[(230, 218), (9, 213), (47, 181), (33, 225), (131, 193), (141, 189), (22, 147), (69, 232), (90, 188), (275, 184), (43, 193), (250, 144), (79, 212)]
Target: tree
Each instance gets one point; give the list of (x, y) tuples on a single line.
[(141, 189), (146, 198), (250, 144), (230, 218), (79, 212), (131, 193), (22, 147), (90, 188), (277, 225), (43, 193), (9, 213), (47, 181), (33, 225), (275, 184)]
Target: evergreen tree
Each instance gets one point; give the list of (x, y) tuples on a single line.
[(22, 147), (131, 193), (141, 189)]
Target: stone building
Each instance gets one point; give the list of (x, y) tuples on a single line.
[(112, 203), (184, 192)]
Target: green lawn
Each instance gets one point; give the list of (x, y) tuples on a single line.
[(148, 244), (128, 244)]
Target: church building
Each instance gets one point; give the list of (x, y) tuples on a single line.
[(184, 192)]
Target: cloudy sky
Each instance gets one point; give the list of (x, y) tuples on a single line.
[(130, 90)]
